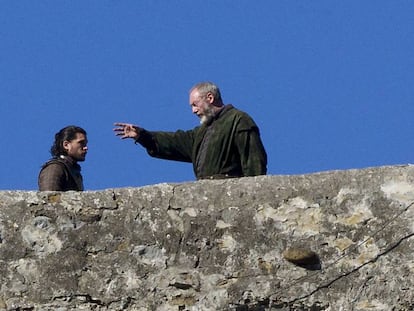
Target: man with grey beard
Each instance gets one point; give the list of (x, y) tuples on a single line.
[(226, 144)]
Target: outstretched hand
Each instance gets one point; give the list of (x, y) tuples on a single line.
[(126, 130)]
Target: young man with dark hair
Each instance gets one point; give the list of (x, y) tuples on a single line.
[(62, 172)]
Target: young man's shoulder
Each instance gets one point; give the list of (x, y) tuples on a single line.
[(54, 163)]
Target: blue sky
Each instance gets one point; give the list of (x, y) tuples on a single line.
[(329, 83)]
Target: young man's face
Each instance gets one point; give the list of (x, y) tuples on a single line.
[(77, 147)]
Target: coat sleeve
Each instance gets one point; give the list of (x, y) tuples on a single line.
[(253, 157), (168, 145), (52, 177)]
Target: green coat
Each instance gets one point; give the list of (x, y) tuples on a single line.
[(234, 148)]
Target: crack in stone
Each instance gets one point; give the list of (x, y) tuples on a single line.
[(378, 256), (325, 286), (85, 298), (171, 198)]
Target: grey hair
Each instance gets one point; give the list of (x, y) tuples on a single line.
[(208, 87)]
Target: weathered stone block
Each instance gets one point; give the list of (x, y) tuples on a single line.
[(339, 240)]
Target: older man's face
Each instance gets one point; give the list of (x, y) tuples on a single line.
[(201, 106)]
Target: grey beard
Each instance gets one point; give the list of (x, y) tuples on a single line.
[(207, 117)]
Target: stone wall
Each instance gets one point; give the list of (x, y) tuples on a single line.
[(340, 240)]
